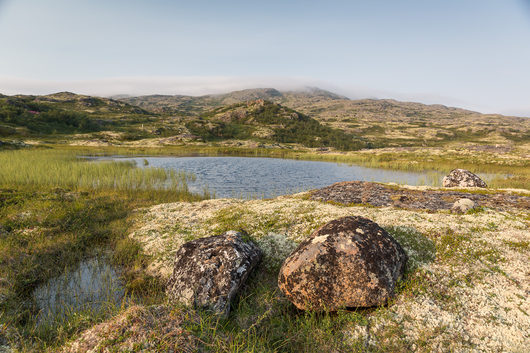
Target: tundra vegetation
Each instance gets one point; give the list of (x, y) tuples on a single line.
[(465, 287)]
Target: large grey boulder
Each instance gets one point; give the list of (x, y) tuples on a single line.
[(348, 262), (462, 178), (208, 272)]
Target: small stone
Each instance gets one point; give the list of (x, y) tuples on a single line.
[(463, 205), (349, 262), (462, 178), (208, 272)]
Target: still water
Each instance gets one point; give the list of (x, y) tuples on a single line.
[(246, 177), (93, 286)]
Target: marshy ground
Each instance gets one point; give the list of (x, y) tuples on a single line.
[(466, 287)]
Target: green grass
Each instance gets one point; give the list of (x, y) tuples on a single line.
[(45, 232), (262, 320), (65, 169), (521, 246), (56, 210), (463, 248)]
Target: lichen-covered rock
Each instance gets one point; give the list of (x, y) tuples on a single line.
[(348, 262), (463, 205), (208, 272), (374, 194), (462, 178)]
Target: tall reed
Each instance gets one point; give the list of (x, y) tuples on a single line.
[(65, 169)]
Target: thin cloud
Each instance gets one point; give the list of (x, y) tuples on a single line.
[(189, 85), (202, 85)]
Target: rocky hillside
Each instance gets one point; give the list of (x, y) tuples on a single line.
[(65, 113), (271, 122), (180, 104), (406, 122), (324, 119), (385, 121), (185, 105), (79, 102)]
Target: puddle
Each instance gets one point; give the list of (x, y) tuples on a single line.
[(93, 287)]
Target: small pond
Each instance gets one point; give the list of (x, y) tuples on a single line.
[(93, 286), (255, 177)]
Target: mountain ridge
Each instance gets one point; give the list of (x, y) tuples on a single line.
[(375, 122), (274, 95)]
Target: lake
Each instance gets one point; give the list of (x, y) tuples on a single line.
[(255, 177)]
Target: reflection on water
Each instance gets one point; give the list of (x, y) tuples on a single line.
[(92, 286), (246, 177)]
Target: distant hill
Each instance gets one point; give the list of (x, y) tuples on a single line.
[(394, 122), (267, 121), (64, 113), (180, 104), (89, 104), (185, 105), (323, 119)]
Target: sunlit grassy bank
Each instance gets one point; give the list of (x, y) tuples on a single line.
[(59, 168)]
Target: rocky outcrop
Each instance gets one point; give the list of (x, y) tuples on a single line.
[(374, 194), (462, 178), (463, 205), (349, 262), (208, 272)]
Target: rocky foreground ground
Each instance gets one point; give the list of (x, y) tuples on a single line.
[(467, 287), (374, 194)]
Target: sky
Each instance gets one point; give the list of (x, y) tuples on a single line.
[(473, 54)]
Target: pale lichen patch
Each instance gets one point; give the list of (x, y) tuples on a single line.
[(320, 239), (472, 291)]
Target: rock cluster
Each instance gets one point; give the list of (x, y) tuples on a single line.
[(349, 262), (364, 192), (462, 178), (208, 272)]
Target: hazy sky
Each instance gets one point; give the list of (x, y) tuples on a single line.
[(473, 54)]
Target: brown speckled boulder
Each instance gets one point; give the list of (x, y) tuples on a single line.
[(349, 262), (208, 272), (462, 178)]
